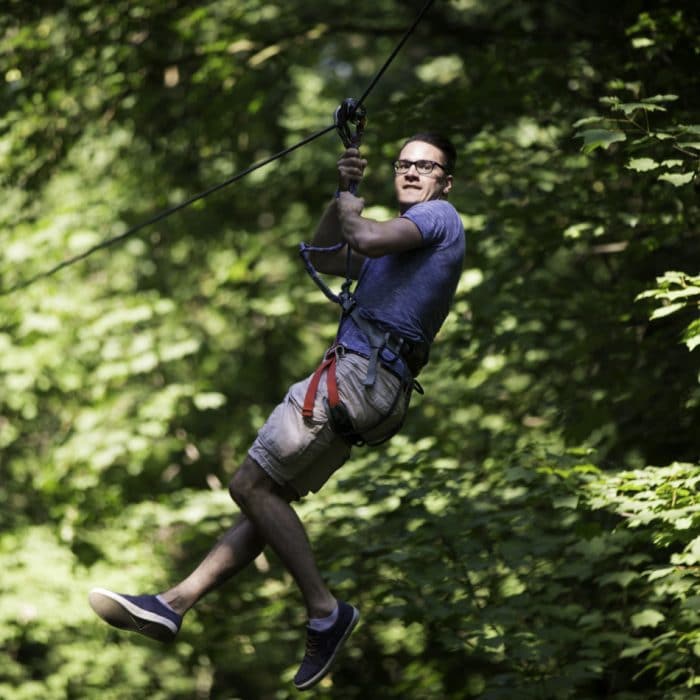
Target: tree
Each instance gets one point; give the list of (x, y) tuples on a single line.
[(533, 532)]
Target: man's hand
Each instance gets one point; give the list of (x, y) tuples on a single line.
[(349, 205), (350, 169)]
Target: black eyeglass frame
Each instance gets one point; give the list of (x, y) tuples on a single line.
[(400, 167)]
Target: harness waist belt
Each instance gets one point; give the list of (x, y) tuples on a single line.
[(414, 355), (336, 411)]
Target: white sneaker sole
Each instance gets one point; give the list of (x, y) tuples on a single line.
[(120, 612)]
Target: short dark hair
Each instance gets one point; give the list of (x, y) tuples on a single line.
[(439, 141)]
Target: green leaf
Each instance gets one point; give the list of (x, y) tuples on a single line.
[(686, 292), (647, 618), (208, 400), (660, 573), (628, 108), (588, 120), (677, 179), (642, 165), (693, 341), (565, 502), (636, 649), (683, 523), (599, 138), (693, 551), (666, 310), (661, 98), (621, 578), (691, 335)]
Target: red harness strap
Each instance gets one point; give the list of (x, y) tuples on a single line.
[(328, 366)]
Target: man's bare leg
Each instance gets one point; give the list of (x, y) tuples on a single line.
[(237, 548), (276, 522)]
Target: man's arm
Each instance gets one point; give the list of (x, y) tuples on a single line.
[(328, 233), (328, 229), (371, 238)]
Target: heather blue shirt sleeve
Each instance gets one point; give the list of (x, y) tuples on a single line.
[(438, 223), (410, 293)]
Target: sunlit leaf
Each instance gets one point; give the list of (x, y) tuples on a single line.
[(677, 179), (647, 618), (599, 138), (642, 164), (660, 98), (666, 310)]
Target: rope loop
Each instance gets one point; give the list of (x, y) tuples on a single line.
[(348, 114)]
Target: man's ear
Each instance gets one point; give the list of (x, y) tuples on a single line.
[(447, 186)]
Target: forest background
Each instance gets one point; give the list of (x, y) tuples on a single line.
[(534, 532)]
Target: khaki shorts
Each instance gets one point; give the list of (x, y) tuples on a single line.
[(304, 452)]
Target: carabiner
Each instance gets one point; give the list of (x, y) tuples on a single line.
[(346, 114)]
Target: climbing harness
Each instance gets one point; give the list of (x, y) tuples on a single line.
[(352, 115), (386, 348)]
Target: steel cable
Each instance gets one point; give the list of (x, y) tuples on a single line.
[(109, 242)]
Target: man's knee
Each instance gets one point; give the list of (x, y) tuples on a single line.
[(243, 482), (249, 480), (252, 480)]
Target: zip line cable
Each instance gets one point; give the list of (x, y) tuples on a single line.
[(109, 242), (394, 53)]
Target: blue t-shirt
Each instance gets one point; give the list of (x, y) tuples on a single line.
[(410, 293)]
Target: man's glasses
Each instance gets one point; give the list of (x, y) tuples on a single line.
[(423, 167)]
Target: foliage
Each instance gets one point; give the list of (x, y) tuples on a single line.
[(677, 291), (534, 530)]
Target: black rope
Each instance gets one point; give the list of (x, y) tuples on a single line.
[(394, 53), (109, 242), (163, 214)]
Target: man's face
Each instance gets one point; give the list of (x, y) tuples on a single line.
[(412, 187)]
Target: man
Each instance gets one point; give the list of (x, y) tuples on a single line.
[(407, 270)]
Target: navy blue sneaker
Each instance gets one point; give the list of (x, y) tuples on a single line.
[(144, 614), (323, 647)]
